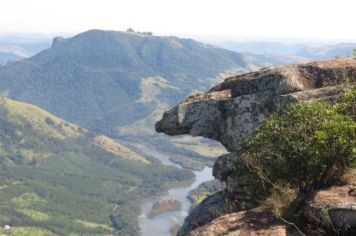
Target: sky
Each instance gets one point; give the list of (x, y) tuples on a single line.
[(313, 19)]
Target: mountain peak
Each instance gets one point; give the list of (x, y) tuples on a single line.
[(57, 40)]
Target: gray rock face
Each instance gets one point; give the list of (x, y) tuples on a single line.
[(211, 208), (252, 223), (232, 110), (57, 40), (335, 206)]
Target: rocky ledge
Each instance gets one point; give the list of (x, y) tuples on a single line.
[(229, 113), (335, 206), (253, 222)]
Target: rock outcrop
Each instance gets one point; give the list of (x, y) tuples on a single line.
[(245, 223), (335, 206), (212, 207), (231, 111)]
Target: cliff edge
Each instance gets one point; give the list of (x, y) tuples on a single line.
[(229, 113)]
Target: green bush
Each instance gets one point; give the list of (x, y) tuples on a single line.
[(307, 145)]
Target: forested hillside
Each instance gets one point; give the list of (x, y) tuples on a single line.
[(57, 178), (105, 80)]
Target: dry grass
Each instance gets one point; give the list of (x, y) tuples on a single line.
[(280, 200), (350, 177), (38, 118), (197, 145), (118, 149)]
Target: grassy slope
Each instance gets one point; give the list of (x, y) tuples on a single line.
[(57, 177)]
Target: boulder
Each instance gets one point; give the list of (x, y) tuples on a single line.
[(213, 207), (230, 111), (245, 223), (334, 208)]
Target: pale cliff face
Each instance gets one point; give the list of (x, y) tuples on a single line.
[(230, 111)]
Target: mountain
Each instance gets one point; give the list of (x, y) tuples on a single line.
[(57, 178), (327, 51), (105, 80), (260, 47), (288, 52), (8, 57), (10, 53)]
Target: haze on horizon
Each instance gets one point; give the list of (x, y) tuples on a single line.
[(328, 19)]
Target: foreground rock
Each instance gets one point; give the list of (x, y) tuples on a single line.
[(334, 208), (213, 207), (229, 113), (245, 223)]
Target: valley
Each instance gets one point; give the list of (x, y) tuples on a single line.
[(79, 154), (60, 179), (177, 118), (53, 170)]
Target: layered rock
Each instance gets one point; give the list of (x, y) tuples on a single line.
[(213, 207), (232, 110), (335, 206), (245, 223)]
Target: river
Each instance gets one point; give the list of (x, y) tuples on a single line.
[(160, 225)]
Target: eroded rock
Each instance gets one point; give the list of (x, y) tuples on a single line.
[(245, 223), (229, 113), (213, 207), (231, 110), (334, 207)]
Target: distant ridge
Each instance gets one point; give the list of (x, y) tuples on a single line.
[(97, 78)]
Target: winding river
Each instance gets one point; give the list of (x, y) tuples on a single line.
[(160, 225)]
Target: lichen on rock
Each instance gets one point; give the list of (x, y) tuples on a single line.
[(230, 112)]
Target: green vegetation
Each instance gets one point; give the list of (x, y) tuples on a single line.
[(24, 231), (102, 80), (204, 190), (164, 206), (308, 146), (59, 179), (188, 163), (91, 78)]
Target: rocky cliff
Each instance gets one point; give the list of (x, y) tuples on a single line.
[(229, 113)]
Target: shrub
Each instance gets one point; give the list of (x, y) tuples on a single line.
[(309, 145)]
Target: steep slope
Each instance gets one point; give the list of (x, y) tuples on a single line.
[(91, 78), (232, 110), (57, 178)]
